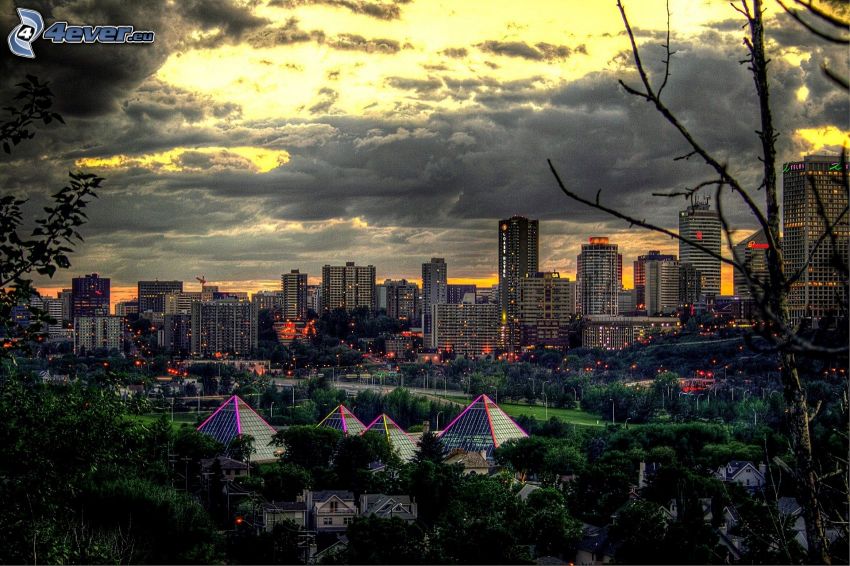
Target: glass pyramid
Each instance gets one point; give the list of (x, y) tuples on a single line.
[(401, 442), (343, 419), (235, 417), (481, 426)]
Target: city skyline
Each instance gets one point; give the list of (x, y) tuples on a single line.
[(293, 134)]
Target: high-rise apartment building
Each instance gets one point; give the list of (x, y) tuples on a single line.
[(176, 334), (90, 296), (179, 303), (700, 224), (466, 329), (751, 252), (126, 308), (455, 294), (265, 300), (821, 289), (294, 288), (348, 287), (434, 292), (640, 275), (402, 300), (152, 294), (314, 298), (599, 272), (224, 326), (67, 298), (547, 302), (98, 332), (518, 257), (689, 285), (662, 287)]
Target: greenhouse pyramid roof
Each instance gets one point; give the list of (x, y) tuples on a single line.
[(482, 426), (343, 420), (401, 442), (234, 418)]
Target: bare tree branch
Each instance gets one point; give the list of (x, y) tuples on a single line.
[(812, 29)]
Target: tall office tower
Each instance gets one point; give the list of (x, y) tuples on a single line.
[(294, 287), (752, 252), (53, 308), (348, 286), (546, 304), (821, 289), (265, 300), (67, 298), (176, 334), (456, 293), (702, 225), (662, 287), (626, 304), (314, 298), (98, 332), (689, 285), (640, 275), (125, 308), (402, 300), (518, 256), (598, 278), (466, 329), (152, 294), (434, 292), (224, 326), (180, 303), (90, 296), (380, 296)]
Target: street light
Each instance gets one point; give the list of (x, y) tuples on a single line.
[(438, 420), (545, 404), (271, 414), (626, 424), (612, 410)]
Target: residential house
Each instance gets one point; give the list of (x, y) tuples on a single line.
[(472, 462), (646, 473), (278, 511), (527, 489), (330, 510), (743, 473), (230, 469), (389, 506), (594, 546)]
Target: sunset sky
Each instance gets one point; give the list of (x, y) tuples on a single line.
[(256, 137)]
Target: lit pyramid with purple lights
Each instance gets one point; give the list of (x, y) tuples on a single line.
[(343, 420), (234, 418), (401, 442), (482, 426)]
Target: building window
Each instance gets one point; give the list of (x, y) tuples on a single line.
[(327, 521), (347, 520)]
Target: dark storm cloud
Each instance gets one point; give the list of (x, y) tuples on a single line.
[(354, 42), (539, 52), (455, 52), (284, 35), (380, 10)]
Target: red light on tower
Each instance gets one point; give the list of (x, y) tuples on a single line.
[(699, 234)]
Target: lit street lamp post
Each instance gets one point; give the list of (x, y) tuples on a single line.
[(612, 410)]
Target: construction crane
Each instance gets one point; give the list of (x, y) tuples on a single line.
[(202, 279)]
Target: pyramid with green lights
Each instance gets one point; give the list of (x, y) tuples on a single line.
[(233, 419), (343, 420), (482, 426), (401, 442)]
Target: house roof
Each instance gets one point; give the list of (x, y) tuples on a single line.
[(326, 494), (400, 441), (735, 467), (467, 458), (788, 506), (285, 506), (233, 419), (527, 490), (225, 463), (343, 420), (387, 505), (595, 540), (482, 425)]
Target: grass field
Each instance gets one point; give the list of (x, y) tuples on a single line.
[(572, 416), (179, 419)]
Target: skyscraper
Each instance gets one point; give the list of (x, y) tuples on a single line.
[(434, 292), (752, 252), (466, 329), (518, 256), (456, 293), (546, 305), (152, 294), (90, 296), (640, 275), (662, 286), (348, 286), (224, 326), (821, 288), (294, 287), (700, 224), (598, 274), (402, 299)]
